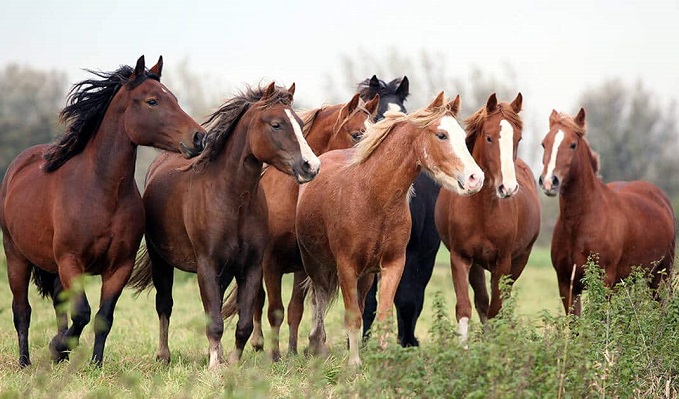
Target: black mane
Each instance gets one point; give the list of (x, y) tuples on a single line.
[(86, 105)]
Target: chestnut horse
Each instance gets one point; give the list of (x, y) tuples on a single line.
[(327, 128), (354, 221), (209, 216), (610, 220), (496, 228), (73, 207)]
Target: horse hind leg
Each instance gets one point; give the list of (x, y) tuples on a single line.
[(163, 280), (275, 310), (19, 275), (296, 310)]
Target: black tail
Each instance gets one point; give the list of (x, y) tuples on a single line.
[(142, 275), (44, 281)]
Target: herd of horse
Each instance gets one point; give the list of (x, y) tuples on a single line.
[(336, 195)]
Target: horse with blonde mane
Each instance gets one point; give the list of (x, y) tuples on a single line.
[(353, 219)]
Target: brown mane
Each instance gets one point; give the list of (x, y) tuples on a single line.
[(474, 123), (222, 122)]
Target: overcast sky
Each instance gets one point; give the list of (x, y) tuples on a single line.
[(556, 49)]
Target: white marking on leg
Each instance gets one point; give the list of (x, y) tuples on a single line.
[(307, 154), (558, 138), (354, 341), (507, 156), (463, 329)]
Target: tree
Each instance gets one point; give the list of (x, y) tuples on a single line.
[(30, 102), (635, 136)]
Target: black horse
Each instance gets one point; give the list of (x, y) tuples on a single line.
[(424, 240)]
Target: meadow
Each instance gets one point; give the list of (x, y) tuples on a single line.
[(526, 352)]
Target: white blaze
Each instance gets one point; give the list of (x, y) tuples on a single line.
[(456, 140), (558, 138), (393, 107), (507, 155), (304, 148)]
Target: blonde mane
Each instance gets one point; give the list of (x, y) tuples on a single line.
[(377, 132)]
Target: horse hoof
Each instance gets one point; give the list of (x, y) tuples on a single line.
[(165, 360), (275, 356), (258, 347), (58, 350), (24, 362)]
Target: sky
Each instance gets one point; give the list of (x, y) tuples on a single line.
[(556, 49)]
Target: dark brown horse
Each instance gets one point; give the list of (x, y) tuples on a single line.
[(327, 128), (209, 216), (626, 224), (494, 229), (73, 207), (354, 220)]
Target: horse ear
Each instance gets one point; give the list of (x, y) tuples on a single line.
[(403, 88), (374, 82), (371, 106), (437, 103), (492, 103), (580, 118), (139, 69), (291, 90), (158, 68), (454, 106), (517, 103), (353, 103), (553, 117), (269, 90)]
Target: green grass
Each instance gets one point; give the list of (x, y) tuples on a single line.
[(130, 368)]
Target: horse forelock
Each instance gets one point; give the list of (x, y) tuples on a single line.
[(221, 123), (474, 123), (376, 132)]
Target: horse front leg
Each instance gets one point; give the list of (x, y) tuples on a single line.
[(460, 267), (248, 289), (19, 276), (502, 268), (275, 312), (477, 280), (210, 290), (71, 276), (111, 288)]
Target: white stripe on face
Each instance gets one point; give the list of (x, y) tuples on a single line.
[(304, 148), (507, 155), (393, 107), (457, 137), (558, 138)]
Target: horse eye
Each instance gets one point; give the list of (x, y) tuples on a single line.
[(152, 102), (275, 125), (356, 136), (442, 136), (573, 145), (489, 139)]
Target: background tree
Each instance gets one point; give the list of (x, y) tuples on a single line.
[(635, 135), (30, 102)]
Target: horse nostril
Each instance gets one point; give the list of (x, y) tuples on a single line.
[(555, 181), (541, 181), (199, 140), (502, 189)]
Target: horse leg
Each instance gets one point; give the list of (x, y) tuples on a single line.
[(352, 311), (369, 309), (111, 287), (503, 268), (19, 276), (460, 268), (59, 308), (163, 279), (477, 280), (209, 286), (296, 310), (275, 312), (392, 270), (570, 298), (257, 340), (247, 293)]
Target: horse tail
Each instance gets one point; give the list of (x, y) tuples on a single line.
[(323, 293), (142, 274), (44, 280), (230, 304)]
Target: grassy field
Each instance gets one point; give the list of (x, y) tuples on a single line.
[(131, 370)]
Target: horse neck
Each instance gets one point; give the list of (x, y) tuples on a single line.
[(391, 169), (237, 161), (111, 153), (322, 129), (581, 191)]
